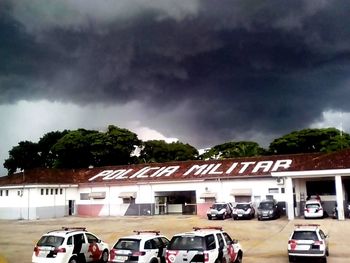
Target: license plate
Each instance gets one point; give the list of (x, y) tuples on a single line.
[(240, 215), (43, 253), (121, 258)]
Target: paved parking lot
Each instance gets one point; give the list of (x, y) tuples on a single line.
[(262, 241)]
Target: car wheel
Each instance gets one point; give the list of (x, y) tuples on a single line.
[(104, 257), (324, 260), (239, 258), (327, 252), (209, 217), (73, 260)]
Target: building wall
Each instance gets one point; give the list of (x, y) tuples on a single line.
[(112, 204), (35, 202)]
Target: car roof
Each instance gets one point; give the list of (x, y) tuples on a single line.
[(143, 234), (66, 230), (201, 231), (306, 227)]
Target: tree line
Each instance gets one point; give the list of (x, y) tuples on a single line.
[(83, 148)]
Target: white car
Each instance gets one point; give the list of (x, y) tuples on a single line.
[(313, 209), (220, 211), (142, 247), (70, 245), (308, 241), (205, 245)]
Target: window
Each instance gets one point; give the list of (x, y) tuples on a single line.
[(70, 241), (227, 238), (42, 191), (283, 190), (47, 191), (56, 191), (61, 191), (84, 196), (210, 242), (91, 238), (273, 190), (51, 191), (7, 192), (0, 192), (129, 200), (221, 240), (149, 244)]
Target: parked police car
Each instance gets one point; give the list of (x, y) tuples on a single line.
[(220, 210), (206, 244), (70, 245), (243, 211), (308, 241), (142, 247)]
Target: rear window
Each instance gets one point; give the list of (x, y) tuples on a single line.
[(314, 205), (305, 235), (51, 241), (186, 243), (128, 244)]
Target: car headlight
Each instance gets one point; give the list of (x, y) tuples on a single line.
[(271, 212)]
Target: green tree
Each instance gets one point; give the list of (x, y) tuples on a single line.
[(73, 150), (310, 140), (23, 156), (82, 148), (233, 149), (160, 151), (45, 144), (115, 146)]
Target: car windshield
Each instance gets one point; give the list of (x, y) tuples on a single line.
[(52, 241), (128, 244), (218, 206), (305, 235), (186, 243), (243, 206), (266, 205)]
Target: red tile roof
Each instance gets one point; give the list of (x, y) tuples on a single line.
[(156, 172)]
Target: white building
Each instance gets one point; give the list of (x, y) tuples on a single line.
[(177, 187)]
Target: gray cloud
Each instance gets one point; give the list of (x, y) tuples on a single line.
[(208, 72)]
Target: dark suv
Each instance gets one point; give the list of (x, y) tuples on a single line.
[(268, 209)]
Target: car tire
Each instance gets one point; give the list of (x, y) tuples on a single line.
[(209, 217), (324, 260), (239, 258), (104, 256), (73, 260), (327, 252)]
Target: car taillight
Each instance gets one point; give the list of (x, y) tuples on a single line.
[(292, 243), (112, 254), (138, 253), (306, 210), (206, 257), (60, 250), (318, 242), (36, 250)]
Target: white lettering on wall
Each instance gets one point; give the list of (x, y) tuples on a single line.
[(245, 166), (282, 164), (265, 165), (210, 169)]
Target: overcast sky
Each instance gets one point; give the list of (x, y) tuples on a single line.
[(204, 72)]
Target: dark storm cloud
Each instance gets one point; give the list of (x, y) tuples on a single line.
[(267, 66)]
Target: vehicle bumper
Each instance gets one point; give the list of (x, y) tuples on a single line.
[(306, 253)]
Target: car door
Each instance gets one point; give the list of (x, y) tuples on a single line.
[(230, 247), (161, 243), (151, 250), (80, 247), (95, 248), (222, 253)]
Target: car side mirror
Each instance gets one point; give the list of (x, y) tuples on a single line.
[(235, 241)]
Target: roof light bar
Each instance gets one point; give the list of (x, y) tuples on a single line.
[(138, 232), (207, 227)]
